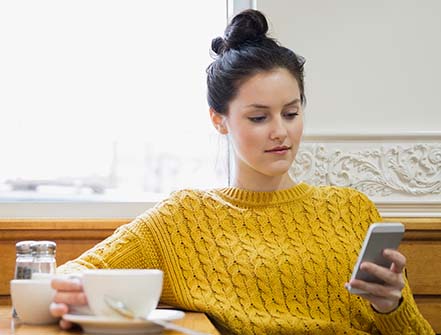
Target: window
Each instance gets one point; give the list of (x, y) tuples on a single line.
[(105, 100)]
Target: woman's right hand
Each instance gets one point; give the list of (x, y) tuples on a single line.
[(69, 292)]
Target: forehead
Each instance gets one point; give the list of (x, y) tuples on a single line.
[(270, 88)]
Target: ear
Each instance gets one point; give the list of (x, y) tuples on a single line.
[(218, 121)]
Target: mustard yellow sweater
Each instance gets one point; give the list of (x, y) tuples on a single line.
[(259, 262)]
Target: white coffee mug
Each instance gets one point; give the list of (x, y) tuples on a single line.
[(73, 309), (31, 299), (139, 290)]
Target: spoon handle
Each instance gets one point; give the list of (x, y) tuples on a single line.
[(172, 326)]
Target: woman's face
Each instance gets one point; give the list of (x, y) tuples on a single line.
[(265, 125)]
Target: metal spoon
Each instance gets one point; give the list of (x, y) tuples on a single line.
[(121, 308)]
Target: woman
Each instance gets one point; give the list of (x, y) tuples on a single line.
[(267, 255)]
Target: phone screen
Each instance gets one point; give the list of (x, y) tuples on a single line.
[(374, 252)]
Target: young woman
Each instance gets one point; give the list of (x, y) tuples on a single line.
[(266, 255)]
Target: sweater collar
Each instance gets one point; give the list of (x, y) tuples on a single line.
[(255, 198)]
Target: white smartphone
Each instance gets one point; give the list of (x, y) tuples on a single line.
[(379, 236)]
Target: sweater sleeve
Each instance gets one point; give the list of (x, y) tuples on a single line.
[(130, 246), (405, 320)]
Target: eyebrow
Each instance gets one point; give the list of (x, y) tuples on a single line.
[(295, 101)]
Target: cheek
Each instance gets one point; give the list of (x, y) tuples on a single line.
[(245, 137), (297, 131)]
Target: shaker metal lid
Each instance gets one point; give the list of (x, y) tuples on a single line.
[(44, 247), (24, 247)]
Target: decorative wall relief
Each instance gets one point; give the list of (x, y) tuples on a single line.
[(382, 171), (401, 173)]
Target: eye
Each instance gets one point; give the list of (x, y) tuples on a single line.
[(290, 115), (257, 119)]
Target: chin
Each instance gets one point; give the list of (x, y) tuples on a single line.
[(278, 171)]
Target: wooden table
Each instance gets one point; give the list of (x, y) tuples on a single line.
[(10, 326)]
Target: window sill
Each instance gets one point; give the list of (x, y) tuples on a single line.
[(74, 209)]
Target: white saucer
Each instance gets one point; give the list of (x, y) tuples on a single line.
[(100, 325)]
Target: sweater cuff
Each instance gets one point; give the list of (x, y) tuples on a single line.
[(70, 267), (398, 319)]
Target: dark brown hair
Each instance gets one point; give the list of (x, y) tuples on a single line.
[(244, 51)]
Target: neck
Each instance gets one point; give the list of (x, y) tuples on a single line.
[(263, 183)]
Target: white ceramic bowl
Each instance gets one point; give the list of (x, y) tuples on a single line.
[(31, 299), (140, 290)]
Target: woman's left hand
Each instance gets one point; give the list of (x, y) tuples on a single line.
[(384, 297)]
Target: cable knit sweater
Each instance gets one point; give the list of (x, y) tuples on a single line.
[(259, 262)]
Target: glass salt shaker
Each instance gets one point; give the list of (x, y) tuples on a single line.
[(23, 263), (24, 260), (44, 257)]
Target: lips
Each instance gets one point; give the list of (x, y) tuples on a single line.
[(279, 149)]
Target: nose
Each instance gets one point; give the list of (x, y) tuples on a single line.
[(278, 129)]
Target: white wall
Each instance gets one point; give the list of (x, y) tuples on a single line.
[(371, 65)]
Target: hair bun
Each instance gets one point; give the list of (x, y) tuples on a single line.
[(218, 45), (248, 26)]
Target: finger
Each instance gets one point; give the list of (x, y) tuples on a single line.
[(65, 324), (58, 310), (70, 298), (66, 284), (369, 288), (397, 258), (389, 277), (376, 290)]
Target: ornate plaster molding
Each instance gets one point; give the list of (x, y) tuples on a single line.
[(391, 169)]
